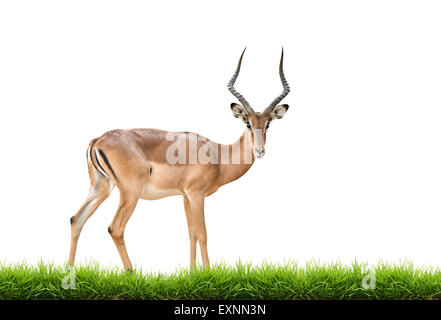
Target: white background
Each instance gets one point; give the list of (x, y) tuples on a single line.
[(352, 171)]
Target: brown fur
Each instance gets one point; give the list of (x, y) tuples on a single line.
[(135, 161), (132, 154)]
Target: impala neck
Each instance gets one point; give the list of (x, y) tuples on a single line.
[(235, 169)]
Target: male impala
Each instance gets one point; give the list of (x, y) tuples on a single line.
[(142, 164)]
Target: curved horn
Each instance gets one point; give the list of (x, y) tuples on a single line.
[(234, 92), (285, 89)]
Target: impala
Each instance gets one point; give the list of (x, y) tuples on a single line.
[(143, 164)]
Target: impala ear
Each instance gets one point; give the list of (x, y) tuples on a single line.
[(239, 112), (279, 111)]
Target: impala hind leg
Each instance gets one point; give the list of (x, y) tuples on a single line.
[(99, 191), (126, 207)]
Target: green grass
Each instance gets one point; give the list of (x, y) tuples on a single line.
[(242, 281)]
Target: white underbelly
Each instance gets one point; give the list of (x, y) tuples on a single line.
[(152, 193)]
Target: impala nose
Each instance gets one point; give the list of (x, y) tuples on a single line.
[(259, 152)]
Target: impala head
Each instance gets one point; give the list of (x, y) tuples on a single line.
[(258, 122)]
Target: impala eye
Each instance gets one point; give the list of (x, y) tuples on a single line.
[(249, 125)]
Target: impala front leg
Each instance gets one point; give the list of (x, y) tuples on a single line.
[(191, 233), (196, 202)]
